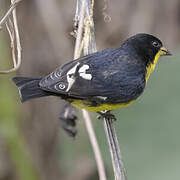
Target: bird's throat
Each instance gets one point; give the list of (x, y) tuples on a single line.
[(151, 66)]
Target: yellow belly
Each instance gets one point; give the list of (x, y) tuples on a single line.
[(82, 105)]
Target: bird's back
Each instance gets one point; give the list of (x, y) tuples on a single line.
[(116, 76)]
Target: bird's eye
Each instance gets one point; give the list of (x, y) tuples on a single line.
[(155, 44)]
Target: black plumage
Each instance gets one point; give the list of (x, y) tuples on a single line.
[(110, 76)]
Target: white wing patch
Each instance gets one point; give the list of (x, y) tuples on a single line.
[(70, 77), (82, 72)]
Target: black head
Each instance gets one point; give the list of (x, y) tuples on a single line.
[(146, 46)]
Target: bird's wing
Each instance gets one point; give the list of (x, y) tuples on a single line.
[(63, 78), (95, 76)]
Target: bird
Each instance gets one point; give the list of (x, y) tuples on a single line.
[(102, 81)]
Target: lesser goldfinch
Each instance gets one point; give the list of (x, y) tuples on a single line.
[(102, 81)]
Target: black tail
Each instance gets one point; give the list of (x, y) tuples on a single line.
[(29, 88)]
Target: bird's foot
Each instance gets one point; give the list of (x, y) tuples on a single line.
[(106, 115)]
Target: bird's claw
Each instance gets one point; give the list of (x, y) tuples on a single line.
[(106, 115)]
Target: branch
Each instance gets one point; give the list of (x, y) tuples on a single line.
[(82, 8), (77, 50), (118, 167), (13, 31), (90, 47), (14, 3)]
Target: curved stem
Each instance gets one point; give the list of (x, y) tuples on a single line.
[(13, 30)]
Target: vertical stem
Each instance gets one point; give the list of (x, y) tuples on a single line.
[(80, 30), (89, 46), (88, 122), (94, 143), (118, 167)]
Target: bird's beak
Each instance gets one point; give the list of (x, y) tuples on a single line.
[(164, 52)]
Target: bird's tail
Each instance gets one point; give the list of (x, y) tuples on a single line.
[(29, 88)]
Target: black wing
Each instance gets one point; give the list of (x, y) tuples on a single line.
[(109, 75)]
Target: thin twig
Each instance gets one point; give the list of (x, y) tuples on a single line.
[(80, 30), (8, 13), (118, 167), (88, 122), (10, 29), (13, 31), (18, 43), (94, 143), (90, 47)]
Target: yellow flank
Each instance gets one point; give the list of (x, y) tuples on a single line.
[(83, 104)]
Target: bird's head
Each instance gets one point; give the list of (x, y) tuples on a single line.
[(148, 47)]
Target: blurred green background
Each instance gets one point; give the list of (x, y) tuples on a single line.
[(32, 144)]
